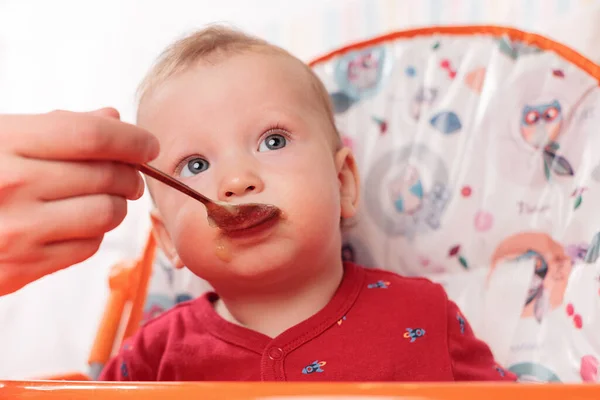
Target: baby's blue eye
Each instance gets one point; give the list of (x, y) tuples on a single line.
[(193, 167), (273, 142)]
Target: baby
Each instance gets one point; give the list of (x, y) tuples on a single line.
[(243, 121)]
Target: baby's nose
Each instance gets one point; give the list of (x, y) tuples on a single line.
[(239, 191), (240, 185)]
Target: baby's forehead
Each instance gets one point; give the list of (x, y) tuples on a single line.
[(269, 75), (266, 75), (270, 68)]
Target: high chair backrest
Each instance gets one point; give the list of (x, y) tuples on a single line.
[(476, 147), (477, 150)]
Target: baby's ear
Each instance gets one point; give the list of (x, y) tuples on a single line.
[(163, 239), (349, 182)]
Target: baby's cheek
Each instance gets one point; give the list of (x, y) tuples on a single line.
[(317, 200), (190, 230), (319, 223)]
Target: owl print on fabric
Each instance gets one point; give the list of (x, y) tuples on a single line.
[(540, 127), (541, 123)]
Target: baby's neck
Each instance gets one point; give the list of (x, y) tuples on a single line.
[(273, 312)]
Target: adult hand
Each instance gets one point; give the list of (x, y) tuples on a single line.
[(65, 178)]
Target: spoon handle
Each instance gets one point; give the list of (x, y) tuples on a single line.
[(174, 183)]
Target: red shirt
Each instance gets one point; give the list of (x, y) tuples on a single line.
[(379, 326)]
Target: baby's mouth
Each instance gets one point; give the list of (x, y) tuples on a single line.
[(255, 228), (239, 217), (244, 218)]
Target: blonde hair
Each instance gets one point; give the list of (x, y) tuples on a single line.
[(211, 45)]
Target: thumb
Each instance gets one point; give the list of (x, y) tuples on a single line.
[(107, 112)]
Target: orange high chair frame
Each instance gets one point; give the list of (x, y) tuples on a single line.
[(292, 391), (128, 282)]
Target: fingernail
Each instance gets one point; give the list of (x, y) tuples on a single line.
[(107, 112), (140, 190), (153, 149)]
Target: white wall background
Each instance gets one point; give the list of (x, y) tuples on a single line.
[(85, 54)]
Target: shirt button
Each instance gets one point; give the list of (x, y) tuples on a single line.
[(275, 353)]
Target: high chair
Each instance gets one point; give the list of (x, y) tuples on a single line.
[(477, 150)]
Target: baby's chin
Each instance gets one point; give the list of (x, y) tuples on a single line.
[(249, 271), (260, 266)]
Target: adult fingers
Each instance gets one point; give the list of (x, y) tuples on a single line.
[(53, 180), (45, 260), (80, 217), (64, 135), (106, 112), (22, 230)]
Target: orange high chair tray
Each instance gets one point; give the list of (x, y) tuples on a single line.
[(293, 391)]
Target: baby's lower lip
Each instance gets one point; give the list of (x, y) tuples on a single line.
[(253, 229)]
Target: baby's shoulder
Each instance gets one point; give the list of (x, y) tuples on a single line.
[(397, 303), (168, 325), (410, 288)]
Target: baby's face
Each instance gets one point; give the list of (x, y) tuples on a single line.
[(247, 129)]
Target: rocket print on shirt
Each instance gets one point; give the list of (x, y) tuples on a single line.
[(500, 371), (462, 323), (313, 367), (124, 370), (414, 334), (379, 285)]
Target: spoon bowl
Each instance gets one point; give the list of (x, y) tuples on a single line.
[(227, 217)]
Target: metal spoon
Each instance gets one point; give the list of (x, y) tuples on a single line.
[(228, 217)]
